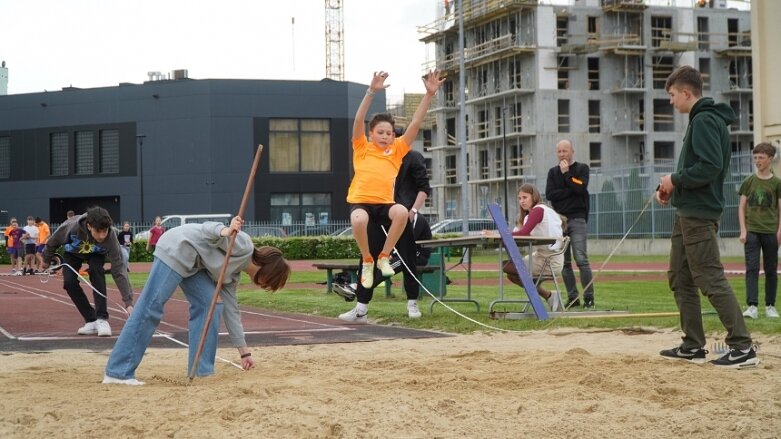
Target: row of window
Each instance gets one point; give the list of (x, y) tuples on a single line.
[(84, 152)]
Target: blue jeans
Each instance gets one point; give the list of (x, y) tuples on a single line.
[(577, 230), (767, 243), (148, 311)]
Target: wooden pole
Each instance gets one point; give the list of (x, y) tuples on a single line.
[(221, 278)]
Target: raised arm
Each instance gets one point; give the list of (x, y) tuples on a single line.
[(432, 81), (377, 84)]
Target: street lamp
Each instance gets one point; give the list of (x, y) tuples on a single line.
[(140, 138)]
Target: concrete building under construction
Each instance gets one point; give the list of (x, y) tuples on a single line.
[(587, 70)]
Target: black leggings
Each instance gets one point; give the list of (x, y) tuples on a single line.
[(406, 247)]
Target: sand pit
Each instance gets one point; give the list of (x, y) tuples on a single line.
[(559, 384)]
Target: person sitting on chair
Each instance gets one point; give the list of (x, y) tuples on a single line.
[(535, 218)]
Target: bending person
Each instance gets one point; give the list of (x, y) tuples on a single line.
[(535, 218), (191, 257)]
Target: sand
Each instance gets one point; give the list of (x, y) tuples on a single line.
[(557, 384)]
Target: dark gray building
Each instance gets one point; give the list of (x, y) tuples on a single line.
[(180, 147)]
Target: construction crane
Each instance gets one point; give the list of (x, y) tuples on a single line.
[(334, 40)]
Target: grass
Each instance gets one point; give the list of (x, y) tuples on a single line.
[(632, 292)]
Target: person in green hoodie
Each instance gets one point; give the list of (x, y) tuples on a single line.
[(696, 190)]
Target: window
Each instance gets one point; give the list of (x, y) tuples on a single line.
[(5, 157), (661, 30), (299, 145), (736, 125), (516, 160), (663, 151), (563, 72), (85, 152), (593, 117), (563, 115), (663, 115), (515, 73), (498, 121), (751, 115), (595, 154), (482, 124), (517, 118), (662, 68), (309, 208), (451, 174), (562, 24), (109, 151), (593, 28), (499, 160), (703, 37), (426, 138), (732, 32), (484, 169), (58, 154), (705, 72), (593, 73)]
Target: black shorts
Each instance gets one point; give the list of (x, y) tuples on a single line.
[(378, 213), (29, 249)]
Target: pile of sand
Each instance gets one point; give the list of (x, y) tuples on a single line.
[(564, 383)]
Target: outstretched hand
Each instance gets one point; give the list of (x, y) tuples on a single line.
[(432, 81), (378, 81)]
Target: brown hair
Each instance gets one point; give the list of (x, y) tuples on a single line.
[(274, 269), (765, 148), (536, 199), (382, 117), (685, 77)]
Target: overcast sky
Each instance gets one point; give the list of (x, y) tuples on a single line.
[(50, 44)]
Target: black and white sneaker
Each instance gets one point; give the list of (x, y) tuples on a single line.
[(696, 356), (345, 291), (588, 302), (737, 359)]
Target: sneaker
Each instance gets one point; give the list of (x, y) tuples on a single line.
[(553, 301), (737, 359), (367, 274), (353, 316), (129, 382), (588, 302), (385, 267), (573, 302), (770, 311), (103, 328), (751, 312), (90, 328), (412, 310), (692, 355), (346, 291)]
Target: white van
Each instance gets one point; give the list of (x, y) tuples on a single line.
[(171, 221)]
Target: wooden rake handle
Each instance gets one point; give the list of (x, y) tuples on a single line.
[(221, 278)]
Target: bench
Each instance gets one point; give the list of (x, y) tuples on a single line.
[(353, 270)]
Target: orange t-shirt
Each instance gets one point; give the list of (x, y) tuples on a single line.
[(43, 233), (375, 171), (7, 234)]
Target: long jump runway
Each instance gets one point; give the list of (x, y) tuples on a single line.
[(38, 316)]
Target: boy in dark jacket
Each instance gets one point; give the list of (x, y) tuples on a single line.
[(696, 190), (90, 237)]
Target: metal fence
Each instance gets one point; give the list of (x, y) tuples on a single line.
[(619, 195)]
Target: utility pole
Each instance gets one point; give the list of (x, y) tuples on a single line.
[(334, 40)]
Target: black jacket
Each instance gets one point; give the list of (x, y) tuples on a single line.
[(568, 192), (412, 178)]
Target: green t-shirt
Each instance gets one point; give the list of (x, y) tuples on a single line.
[(761, 203)]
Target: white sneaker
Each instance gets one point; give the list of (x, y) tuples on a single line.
[(770, 311), (89, 328), (353, 316), (385, 267), (367, 274), (553, 301), (751, 312), (103, 328), (129, 382), (412, 310)]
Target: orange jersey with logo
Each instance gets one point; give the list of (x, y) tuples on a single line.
[(375, 171)]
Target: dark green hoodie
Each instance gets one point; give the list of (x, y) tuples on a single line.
[(704, 161)]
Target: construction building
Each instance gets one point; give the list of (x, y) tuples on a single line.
[(586, 70)]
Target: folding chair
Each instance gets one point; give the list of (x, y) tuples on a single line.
[(550, 274)]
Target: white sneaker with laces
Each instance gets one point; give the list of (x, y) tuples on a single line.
[(412, 310), (367, 274), (385, 267), (353, 316), (751, 312), (103, 328), (129, 382), (770, 311), (553, 301), (89, 328)]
